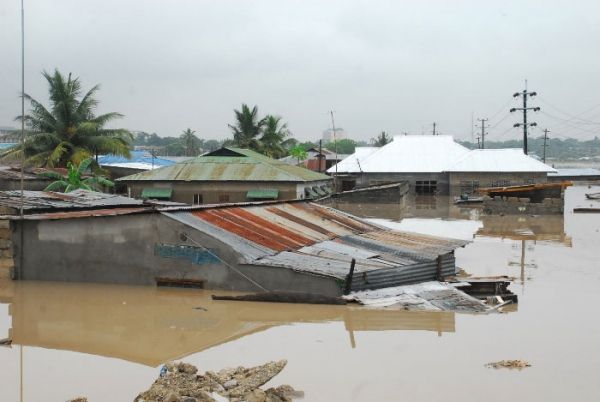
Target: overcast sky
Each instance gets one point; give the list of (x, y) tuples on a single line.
[(396, 66)]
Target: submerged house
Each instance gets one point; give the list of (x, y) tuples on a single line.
[(438, 165), (228, 175), (275, 246)]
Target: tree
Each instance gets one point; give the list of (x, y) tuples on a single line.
[(273, 137), (381, 140), (247, 128), (344, 146), (191, 143), (69, 131), (74, 178), (298, 152)]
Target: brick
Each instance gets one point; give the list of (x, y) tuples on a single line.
[(5, 234), (7, 263), (4, 224), (5, 244)]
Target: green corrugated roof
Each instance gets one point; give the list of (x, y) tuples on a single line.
[(157, 193), (242, 165), (264, 194)]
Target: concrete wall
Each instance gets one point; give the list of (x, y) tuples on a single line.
[(522, 206), (494, 179), (375, 179), (216, 192), (6, 250), (135, 249)]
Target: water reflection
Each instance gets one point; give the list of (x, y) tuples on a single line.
[(151, 326)]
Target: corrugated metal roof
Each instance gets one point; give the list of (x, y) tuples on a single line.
[(240, 165), (568, 172), (406, 154), (312, 238), (139, 160), (436, 154), (78, 199), (498, 160)]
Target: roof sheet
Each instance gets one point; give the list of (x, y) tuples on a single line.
[(498, 160), (240, 165), (310, 237), (78, 199), (138, 160), (408, 153), (353, 163), (568, 172)]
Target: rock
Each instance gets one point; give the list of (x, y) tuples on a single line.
[(258, 395), (230, 384), (171, 397)]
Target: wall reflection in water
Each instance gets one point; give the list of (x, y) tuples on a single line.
[(151, 326)]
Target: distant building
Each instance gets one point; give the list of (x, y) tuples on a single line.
[(340, 134), (438, 165), (228, 175), (318, 161)]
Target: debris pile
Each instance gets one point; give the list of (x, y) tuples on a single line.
[(180, 382), (509, 364)]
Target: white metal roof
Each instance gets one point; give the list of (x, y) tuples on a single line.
[(354, 162), (498, 160), (406, 154), (436, 154)]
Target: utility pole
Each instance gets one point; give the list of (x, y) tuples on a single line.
[(320, 154), (478, 144), (546, 131), (482, 132), (434, 128), (336, 152), (525, 124)]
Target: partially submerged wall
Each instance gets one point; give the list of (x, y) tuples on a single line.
[(522, 206), (6, 250), (136, 249)]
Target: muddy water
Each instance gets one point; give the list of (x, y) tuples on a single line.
[(106, 342)]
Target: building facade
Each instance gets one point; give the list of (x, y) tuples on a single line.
[(225, 176)]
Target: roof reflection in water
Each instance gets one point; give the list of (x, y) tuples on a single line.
[(151, 326)]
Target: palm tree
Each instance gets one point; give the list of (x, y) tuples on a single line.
[(69, 131), (381, 140), (190, 142), (247, 128), (299, 152), (74, 181), (274, 137)]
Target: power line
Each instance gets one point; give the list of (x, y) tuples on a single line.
[(572, 117)]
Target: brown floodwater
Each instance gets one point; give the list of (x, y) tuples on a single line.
[(107, 342)]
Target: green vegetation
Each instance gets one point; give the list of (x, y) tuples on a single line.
[(345, 146), (74, 179), (298, 152), (247, 128), (556, 148), (69, 131), (381, 140)]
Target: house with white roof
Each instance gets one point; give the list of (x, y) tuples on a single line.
[(437, 165)]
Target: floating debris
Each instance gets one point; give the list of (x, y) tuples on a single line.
[(79, 399), (509, 364), (181, 383)]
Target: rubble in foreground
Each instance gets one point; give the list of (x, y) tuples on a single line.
[(509, 364), (180, 382)]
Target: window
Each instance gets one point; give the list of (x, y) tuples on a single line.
[(500, 183), (223, 198), (198, 199), (426, 186)]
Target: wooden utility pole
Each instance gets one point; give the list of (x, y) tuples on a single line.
[(336, 152), (434, 123)]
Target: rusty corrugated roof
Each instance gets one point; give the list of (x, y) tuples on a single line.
[(309, 237), (232, 164)]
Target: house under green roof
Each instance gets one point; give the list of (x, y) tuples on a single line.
[(229, 164)]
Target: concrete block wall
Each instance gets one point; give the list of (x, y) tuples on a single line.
[(522, 206), (7, 262)]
